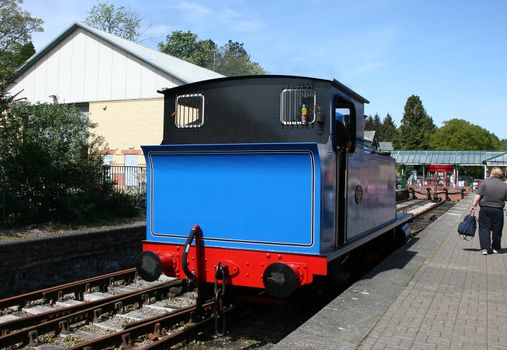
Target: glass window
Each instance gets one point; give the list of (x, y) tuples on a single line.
[(345, 125), (298, 106), (130, 160), (189, 111), (108, 159)]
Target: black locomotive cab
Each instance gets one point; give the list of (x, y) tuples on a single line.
[(262, 109)]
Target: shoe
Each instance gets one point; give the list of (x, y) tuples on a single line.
[(484, 252), (495, 251)]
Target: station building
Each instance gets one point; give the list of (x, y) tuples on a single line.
[(445, 166), (436, 167), (111, 80)]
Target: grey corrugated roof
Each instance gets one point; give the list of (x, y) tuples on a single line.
[(183, 71), (499, 160), (471, 158)]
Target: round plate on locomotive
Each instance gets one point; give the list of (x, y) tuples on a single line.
[(149, 266), (358, 195)]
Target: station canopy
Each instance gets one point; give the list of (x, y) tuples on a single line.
[(459, 158)]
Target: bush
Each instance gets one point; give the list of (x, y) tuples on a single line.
[(50, 167), (102, 203)]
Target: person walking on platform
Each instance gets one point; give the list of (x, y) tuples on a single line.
[(491, 197)]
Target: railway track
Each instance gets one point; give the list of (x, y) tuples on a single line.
[(160, 330), (423, 212), (427, 213), (148, 311), (78, 288)]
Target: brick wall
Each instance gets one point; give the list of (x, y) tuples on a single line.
[(27, 265), (128, 124)]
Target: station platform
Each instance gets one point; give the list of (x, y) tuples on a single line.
[(436, 292)]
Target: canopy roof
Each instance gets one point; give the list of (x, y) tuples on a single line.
[(463, 158)]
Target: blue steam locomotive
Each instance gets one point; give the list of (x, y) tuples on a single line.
[(269, 176)]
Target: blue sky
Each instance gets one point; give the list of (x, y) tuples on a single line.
[(453, 54)]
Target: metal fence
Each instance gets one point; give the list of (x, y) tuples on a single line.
[(126, 178)]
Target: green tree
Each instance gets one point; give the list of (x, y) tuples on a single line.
[(416, 126), (116, 20), (185, 45), (368, 123), (374, 124), (16, 27), (504, 144), (458, 134), (233, 60), (389, 130), (48, 160), (230, 60)]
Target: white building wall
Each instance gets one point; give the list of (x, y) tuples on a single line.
[(84, 68), (91, 81)]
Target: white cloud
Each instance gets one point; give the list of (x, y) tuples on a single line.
[(192, 11)]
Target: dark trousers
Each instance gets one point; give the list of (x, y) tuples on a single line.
[(490, 221)]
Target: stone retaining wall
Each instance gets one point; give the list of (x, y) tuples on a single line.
[(27, 265)]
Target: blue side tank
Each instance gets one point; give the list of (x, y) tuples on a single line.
[(258, 197)]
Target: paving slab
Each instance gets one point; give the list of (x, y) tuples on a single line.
[(431, 293)]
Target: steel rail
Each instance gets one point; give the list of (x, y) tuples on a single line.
[(77, 287), (62, 324), (24, 322), (152, 327), (177, 336), (419, 215)]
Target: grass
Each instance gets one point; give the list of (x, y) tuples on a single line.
[(47, 229)]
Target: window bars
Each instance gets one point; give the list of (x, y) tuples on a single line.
[(298, 106), (189, 111)]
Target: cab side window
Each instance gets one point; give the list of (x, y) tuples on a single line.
[(345, 129)]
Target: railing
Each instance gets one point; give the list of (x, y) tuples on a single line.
[(436, 193), (126, 178)]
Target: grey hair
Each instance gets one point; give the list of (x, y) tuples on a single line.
[(496, 172)]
